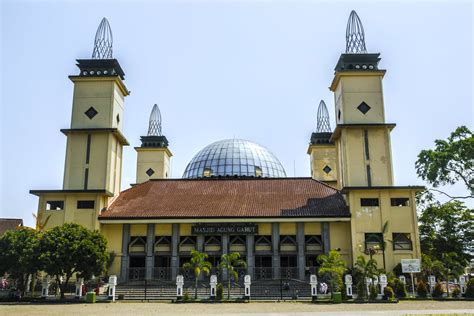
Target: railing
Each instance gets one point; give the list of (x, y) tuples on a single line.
[(136, 274), (187, 273), (288, 273), (162, 273), (263, 273)]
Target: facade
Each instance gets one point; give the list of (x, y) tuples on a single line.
[(234, 195)]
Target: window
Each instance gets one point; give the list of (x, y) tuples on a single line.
[(400, 201), (313, 243), (369, 202), (402, 241), (86, 204), (373, 240), (54, 205)]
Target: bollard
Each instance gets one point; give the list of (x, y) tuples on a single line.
[(383, 283), (431, 283), (462, 284), (112, 285), (313, 280), (45, 287), (79, 284), (348, 283), (179, 287), (247, 282), (213, 284)]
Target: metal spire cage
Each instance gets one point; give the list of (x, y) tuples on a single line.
[(154, 127), (103, 41), (355, 37), (323, 119)]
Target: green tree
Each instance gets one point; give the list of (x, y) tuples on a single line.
[(365, 269), (431, 266), (229, 262), (199, 264), (447, 228), (450, 162), (72, 249), (333, 265), (19, 253)]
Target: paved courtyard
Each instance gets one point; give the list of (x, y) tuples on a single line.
[(257, 308)]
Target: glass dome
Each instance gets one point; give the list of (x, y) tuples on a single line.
[(234, 157)]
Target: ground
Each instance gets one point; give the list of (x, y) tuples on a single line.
[(256, 308)]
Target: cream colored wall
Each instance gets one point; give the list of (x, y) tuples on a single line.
[(380, 156), (340, 237), (157, 159), (372, 219), (320, 157), (113, 234), (312, 228)]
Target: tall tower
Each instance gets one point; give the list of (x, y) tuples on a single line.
[(153, 156), (95, 140), (362, 136), (322, 151)]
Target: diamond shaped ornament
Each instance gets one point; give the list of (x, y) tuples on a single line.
[(150, 172), (327, 169), (364, 107), (91, 112)]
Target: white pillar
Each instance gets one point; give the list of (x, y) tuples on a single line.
[(462, 284), (313, 280), (179, 287), (247, 282), (112, 285), (348, 283), (79, 284), (431, 283), (213, 284), (45, 287), (383, 283)]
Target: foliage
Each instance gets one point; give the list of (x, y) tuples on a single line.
[(332, 265), (450, 162), (400, 289), (198, 264), (388, 292), (360, 288), (229, 262), (72, 249), (365, 269), (373, 292), (219, 291), (421, 289), (447, 228), (431, 266), (470, 288), (19, 252), (186, 296), (456, 292), (438, 290)]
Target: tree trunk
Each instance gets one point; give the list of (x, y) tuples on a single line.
[(196, 288), (228, 287)]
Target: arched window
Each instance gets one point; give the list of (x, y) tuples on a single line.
[(163, 244), (288, 243), (137, 245)]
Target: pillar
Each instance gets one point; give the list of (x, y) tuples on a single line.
[(125, 258), (200, 243), (301, 257), (325, 236), (174, 251), (276, 250), (150, 251), (225, 250), (250, 255)]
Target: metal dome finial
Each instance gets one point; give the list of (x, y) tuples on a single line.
[(103, 41), (154, 127), (323, 119), (355, 37)]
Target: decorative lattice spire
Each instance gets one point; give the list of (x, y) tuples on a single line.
[(103, 41), (154, 127), (355, 37), (323, 119)]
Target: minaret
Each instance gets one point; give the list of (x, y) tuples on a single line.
[(322, 150), (153, 157), (95, 139), (362, 136)]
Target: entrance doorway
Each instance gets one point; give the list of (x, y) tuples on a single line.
[(263, 267)]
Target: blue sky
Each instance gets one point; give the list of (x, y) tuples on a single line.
[(222, 69)]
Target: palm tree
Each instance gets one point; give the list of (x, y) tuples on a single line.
[(366, 268), (229, 262), (199, 264), (335, 267)]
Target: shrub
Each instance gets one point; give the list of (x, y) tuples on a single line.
[(360, 290), (421, 289), (373, 292), (388, 292), (186, 296), (219, 291), (470, 288), (438, 290), (399, 288), (456, 292)]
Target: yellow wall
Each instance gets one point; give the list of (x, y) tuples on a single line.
[(313, 228), (157, 159), (113, 234), (340, 237), (163, 229), (185, 229), (287, 228), (138, 230), (320, 157), (264, 229)]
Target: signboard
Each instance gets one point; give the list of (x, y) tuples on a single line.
[(229, 228), (411, 265)]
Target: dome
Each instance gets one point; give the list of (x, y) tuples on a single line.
[(234, 157)]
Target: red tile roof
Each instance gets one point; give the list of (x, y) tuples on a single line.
[(228, 197), (9, 224)]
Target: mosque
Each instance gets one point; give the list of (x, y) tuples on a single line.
[(234, 195)]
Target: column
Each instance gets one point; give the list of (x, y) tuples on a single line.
[(325, 236), (224, 251), (200, 243), (125, 258), (250, 255), (150, 251), (174, 251), (301, 258), (276, 250)]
